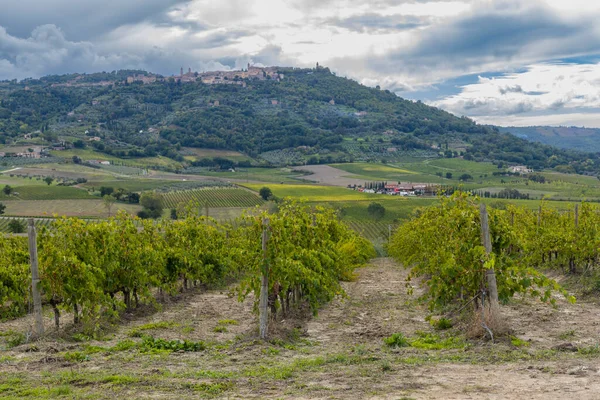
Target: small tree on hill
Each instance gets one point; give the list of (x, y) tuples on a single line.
[(49, 180), (265, 193), (153, 205), (2, 208), (376, 211), (465, 177), (108, 202), (106, 190), (7, 190)]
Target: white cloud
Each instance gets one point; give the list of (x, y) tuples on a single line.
[(563, 90)]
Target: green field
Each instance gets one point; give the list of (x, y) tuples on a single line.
[(192, 153), (45, 192), (213, 198), (72, 208), (89, 154)]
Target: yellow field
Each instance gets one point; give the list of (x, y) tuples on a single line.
[(316, 193)]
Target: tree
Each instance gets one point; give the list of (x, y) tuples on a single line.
[(465, 177), (76, 160), (376, 211), (49, 180), (108, 202), (265, 193), (7, 190), (79, 144), (448, 175), (106, 190), (153, 205), (16, 226), (133, 197), (2, 208), (173, 213)]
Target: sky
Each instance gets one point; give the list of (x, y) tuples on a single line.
[(503, 62)]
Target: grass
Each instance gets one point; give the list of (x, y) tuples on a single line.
[(45, 192), (212, 153), (138, 330), (316, 193), (75, 208), (143, 162)]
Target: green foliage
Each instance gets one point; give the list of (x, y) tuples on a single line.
[(49, 180), (7, 190), (16, 226), (265, 193), (396, 340), (304, 122), (515, 341), (376, 211), (14, 276), (308, 251), (443, 245), (138, 330), (429, 341), (2, 208), (150, 343), (98, 269), (153, 205), (441, 323)]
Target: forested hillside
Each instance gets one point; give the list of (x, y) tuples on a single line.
[(309, 112), (564, 137)]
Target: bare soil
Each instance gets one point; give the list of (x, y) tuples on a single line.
[(327, 175), (338, 354)]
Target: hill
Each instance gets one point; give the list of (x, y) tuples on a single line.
[(272, 115), (564, 137)]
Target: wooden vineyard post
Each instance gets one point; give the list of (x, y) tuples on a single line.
[(264, 285), (576, 215), (389, 233), (487, 243), (35, 279)]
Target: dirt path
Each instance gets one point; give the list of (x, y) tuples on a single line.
[(338, 354)]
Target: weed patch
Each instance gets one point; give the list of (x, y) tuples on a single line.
[(396, 340), (138, 331), (150, 343)]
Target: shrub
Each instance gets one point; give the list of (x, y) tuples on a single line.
[(265, 193), (396, 340)]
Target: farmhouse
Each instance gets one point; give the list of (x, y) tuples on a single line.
[(519, 169)]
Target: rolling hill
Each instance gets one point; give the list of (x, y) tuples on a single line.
[(564, 137), (303, 116)]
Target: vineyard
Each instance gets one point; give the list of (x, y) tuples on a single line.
[(214, 198), (46, 192), (101, 268), (39, 222), (443, 245)]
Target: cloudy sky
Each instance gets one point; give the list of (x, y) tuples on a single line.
[(507, 62)]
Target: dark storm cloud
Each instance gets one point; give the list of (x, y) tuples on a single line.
[(376, 23), (501, 33), (79, 19)]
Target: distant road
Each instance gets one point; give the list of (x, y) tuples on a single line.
[(10, 170)]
